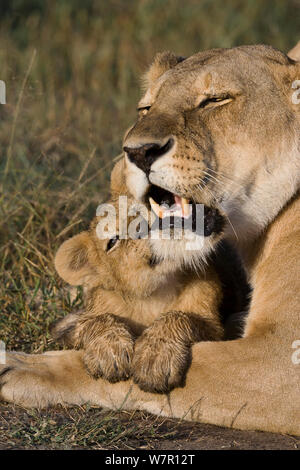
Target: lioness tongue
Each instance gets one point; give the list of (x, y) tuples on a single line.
[(181, 208)]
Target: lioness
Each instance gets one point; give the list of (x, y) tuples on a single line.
[(221, 127)]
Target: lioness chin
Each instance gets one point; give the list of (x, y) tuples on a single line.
[(221, 128)]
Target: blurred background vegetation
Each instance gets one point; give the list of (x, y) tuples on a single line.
[(71, 69)]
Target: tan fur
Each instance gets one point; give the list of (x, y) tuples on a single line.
[(252, 144), (295, 52), (141, 318), (162, 63)]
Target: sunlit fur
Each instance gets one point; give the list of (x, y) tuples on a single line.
[(225, 154), (130, 294), (250, 383)]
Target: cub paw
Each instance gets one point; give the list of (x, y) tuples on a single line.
[(63, 330), (109, 355), (159, 364)]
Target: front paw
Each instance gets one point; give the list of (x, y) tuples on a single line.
[(28, 381), (110, 355), (159, 364)]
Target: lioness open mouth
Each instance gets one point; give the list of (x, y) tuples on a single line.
[(181, 212)]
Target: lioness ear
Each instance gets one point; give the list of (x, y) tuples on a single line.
[(117, 179), (163, 61), (295, 52), (72, 260)]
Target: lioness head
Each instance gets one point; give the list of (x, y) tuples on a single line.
[(220, 128)]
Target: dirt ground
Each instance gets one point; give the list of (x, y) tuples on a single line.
[(91, 428)]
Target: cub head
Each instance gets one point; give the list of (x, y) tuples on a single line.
[(220, 128), (102, 256), (112, 263), (120, 253)]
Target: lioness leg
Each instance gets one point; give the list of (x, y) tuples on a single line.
[(240, 384)]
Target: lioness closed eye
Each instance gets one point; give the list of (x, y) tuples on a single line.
[(142, 315)]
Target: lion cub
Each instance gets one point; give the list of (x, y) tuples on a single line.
[(142, 314)]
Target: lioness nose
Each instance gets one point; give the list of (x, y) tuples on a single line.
[(144, 155)]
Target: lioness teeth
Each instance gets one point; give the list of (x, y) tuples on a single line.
[(182, 205), (185, 207), (156, 208)]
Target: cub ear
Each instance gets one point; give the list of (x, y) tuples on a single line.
[(117, 179), (163, 61), (72, 260), (295, 52)]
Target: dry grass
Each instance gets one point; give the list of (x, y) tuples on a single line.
[(72, 78), (81, 427)]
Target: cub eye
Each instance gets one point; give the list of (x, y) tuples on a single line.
[(112, 242), (211, 101), (143, 111)]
